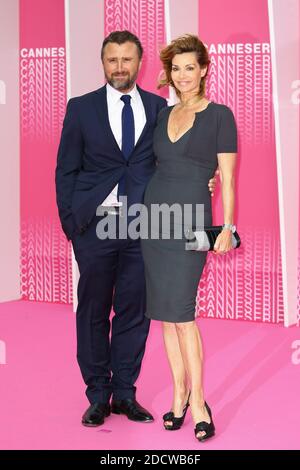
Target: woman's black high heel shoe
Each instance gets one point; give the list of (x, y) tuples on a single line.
[(203, 426), (176, 422)]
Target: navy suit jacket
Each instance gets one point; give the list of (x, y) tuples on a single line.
[(90, 162)]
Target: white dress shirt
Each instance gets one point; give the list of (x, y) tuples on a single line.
[(115, 107)]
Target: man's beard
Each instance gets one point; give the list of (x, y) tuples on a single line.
[(123, 83)]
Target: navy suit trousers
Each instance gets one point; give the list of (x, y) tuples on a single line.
[(110, 350)]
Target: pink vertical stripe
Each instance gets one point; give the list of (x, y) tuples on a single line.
[(45, 253)]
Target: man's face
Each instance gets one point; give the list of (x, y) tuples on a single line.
[(121, 65)]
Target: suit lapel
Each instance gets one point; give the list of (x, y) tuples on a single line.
[(147, 106), (102, 112)]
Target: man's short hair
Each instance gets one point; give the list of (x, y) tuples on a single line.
[(120, 37)]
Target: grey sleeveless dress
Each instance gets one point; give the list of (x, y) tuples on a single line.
[(183, 170)]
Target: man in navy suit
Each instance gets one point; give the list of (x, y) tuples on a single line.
[(105, 152)]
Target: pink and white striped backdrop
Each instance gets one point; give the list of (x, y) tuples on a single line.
[(243, 284), (45, 255), (246, 284)]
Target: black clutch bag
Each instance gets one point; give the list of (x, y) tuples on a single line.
[(204, 240)]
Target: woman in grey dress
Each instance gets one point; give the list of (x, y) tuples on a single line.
[(191, 140)]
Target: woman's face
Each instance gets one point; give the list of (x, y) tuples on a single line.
[(186, 73)]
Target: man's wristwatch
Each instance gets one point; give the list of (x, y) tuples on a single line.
[(230, 227)]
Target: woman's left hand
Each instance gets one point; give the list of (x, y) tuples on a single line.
[(223, 242)]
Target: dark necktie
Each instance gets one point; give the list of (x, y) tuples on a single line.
[(127, 136)]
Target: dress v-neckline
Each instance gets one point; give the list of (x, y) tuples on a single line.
[(189, 129)]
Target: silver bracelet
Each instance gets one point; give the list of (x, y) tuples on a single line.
[(230, 227)]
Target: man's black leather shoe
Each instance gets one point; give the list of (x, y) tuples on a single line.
[(95, 414), (132, 409)]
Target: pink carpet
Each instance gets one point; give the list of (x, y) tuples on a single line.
[(251, 383)]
